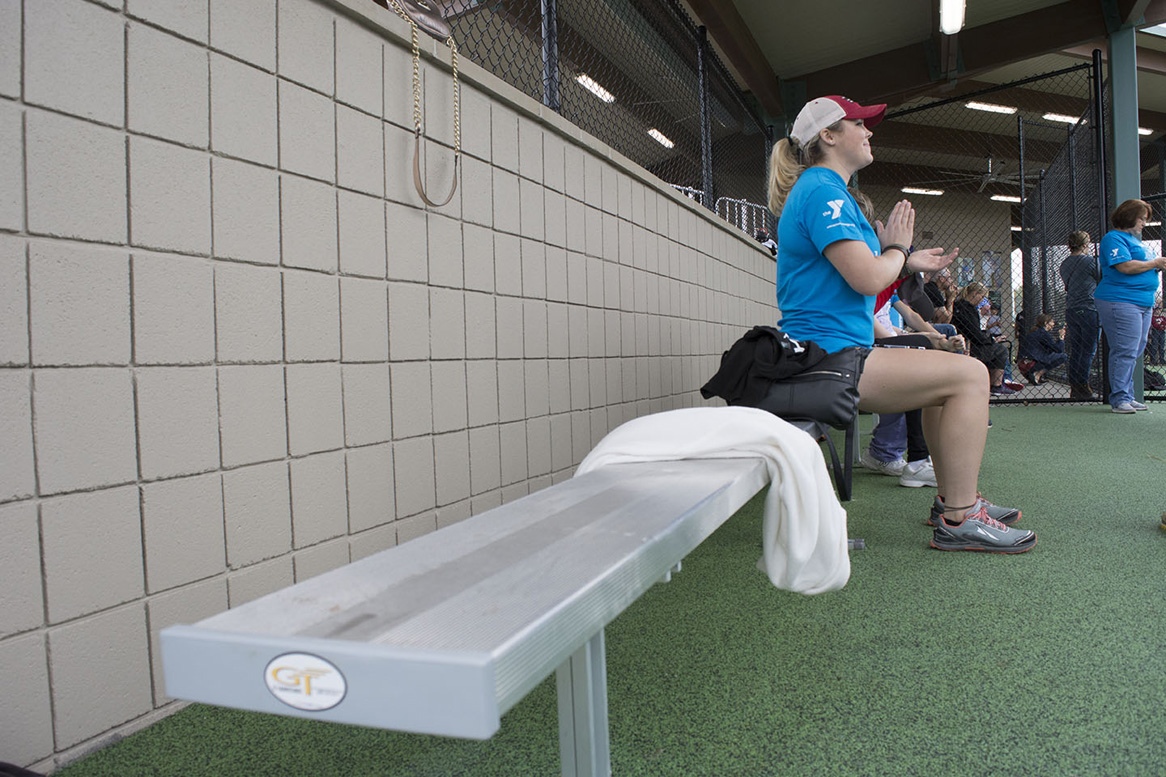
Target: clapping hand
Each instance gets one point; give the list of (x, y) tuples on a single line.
[(900, 226), (930, 259)]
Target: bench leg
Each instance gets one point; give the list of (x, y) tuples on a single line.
[(581, 682)]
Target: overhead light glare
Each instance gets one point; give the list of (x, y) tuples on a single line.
[(1061, 117), (1153, 223), (591, 85), (990, 107), (1005, 198), (951, 16), (660, 138), (1144, 131), (1015, 228), (915, 190)]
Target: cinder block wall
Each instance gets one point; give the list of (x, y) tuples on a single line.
[(236, 351)]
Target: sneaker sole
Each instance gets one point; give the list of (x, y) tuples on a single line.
[(917, 483), (1023, 547)]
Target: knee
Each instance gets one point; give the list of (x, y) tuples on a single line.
[(974, 372)]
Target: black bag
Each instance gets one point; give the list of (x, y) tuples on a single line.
[(769, 370), (1152, 381)]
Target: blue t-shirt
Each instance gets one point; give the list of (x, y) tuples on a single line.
[(816, 301), (1116, 247)]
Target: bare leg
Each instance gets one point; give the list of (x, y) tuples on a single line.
[(997, 377), (952, 389), (932, 419)]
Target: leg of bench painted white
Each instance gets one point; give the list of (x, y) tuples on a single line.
[(581, 682)]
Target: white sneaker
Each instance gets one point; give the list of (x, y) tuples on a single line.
[(1125, 408), (892, 468), (917, 474)]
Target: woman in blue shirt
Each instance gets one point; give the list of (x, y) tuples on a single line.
[(1125, 299), (831, 262)]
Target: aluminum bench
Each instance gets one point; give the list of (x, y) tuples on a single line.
[(445, 633)]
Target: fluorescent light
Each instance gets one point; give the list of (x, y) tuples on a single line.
[(659, 136), (591, 85), (914, 190), (990, 107), (1015, 228), (1075, 119), (1153, 223), (1005, 198), (951, 16)]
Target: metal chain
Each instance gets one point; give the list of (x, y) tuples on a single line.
[(457, 117)]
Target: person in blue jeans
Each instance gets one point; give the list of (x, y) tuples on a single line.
[(1080, 272), (1125, 299)]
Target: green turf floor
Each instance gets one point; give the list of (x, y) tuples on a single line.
[(926, 663)]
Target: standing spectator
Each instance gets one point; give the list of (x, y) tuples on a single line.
[(1125, 298), (1080, 272)]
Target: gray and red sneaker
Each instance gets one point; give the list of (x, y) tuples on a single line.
[(980, 532)]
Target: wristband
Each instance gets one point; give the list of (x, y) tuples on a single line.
[(903, 271)]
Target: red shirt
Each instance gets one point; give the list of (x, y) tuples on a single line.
[(887, 293)]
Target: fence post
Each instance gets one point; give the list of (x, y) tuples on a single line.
[(1072, 141), (550, 12), (706, 140)]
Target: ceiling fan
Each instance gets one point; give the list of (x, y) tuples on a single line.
[(995, 173)]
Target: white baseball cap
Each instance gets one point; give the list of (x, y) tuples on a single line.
[(820, 113)]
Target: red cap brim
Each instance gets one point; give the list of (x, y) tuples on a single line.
[(870, 114)]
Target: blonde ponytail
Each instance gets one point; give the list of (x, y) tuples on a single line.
[(787, 162), (784, 169)]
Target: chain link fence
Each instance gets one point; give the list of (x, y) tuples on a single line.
[(639, 76), (1005, 173)]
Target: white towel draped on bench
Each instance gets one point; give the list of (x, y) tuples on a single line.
[(804, 529)]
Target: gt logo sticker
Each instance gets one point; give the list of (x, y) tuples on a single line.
[(835, 208)]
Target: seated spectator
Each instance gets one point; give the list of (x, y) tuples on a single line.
[(1045, 351), (992, 323), (988, 349), (943, 292), (831, 262), (764, 238)]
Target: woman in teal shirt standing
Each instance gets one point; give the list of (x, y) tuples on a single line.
[(1125, 298)]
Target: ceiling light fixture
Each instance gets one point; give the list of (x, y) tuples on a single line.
[(990, 107), (1074, 119), (1153, 223), (591, 85), (1005, 198), (951, 16), (1015, 228), (659, 136), (915, 190)]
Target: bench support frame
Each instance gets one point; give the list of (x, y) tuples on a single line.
[(581, 682)]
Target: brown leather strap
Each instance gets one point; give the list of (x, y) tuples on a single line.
[(419, 182)]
